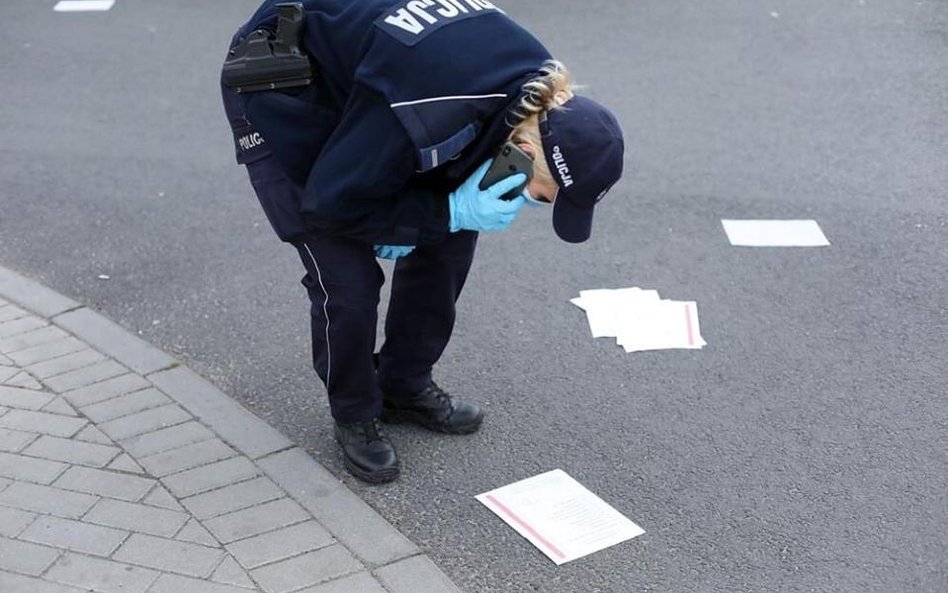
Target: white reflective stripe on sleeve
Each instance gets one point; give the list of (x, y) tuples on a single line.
[(447, 98)]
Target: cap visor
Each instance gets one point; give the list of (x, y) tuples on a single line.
[(572, 224)]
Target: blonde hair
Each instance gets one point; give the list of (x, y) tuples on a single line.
[(549, 90)]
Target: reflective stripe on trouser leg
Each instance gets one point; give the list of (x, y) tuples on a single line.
[(343, 281), (319, 278), (421, 312)]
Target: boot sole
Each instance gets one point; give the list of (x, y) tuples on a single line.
[(392, 417), (379, 477)]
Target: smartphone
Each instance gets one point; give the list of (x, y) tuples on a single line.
[(510, 160)]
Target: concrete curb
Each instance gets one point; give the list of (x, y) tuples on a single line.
[(110, 338), (33, 295), (395, 561)]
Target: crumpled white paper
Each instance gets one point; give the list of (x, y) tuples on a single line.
[(640, 319)]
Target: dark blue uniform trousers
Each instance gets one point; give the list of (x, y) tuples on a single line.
[(344, 281)]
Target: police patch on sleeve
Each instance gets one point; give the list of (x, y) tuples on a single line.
[(250, 145), (412, 21)]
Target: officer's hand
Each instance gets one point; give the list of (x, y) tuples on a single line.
[(474, 209), (393, 251)]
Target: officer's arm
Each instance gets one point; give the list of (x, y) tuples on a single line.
[(359, 186)]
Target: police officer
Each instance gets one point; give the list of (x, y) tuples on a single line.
[(380, 152)]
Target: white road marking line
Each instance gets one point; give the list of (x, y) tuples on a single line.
[(83, 5), (774, 233)]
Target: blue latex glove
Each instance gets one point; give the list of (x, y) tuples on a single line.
[(393, 251), (474, 209)]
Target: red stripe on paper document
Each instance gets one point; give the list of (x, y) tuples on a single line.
[(513, 516), (691, 332)]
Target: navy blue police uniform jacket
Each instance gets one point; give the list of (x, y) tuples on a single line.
[(410, 97)]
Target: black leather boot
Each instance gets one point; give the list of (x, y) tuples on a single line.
[(368, 453), (434, 409)]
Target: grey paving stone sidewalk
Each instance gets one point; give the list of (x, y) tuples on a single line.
[(123, 472)]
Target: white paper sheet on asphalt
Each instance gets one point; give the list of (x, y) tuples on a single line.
[(83, 5), (774, 233), (640, 319), (666, 325), (559, 516), (603, 307)]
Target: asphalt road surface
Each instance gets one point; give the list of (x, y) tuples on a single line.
[(805, 448)]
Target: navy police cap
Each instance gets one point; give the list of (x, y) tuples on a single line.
[(583, 145)]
